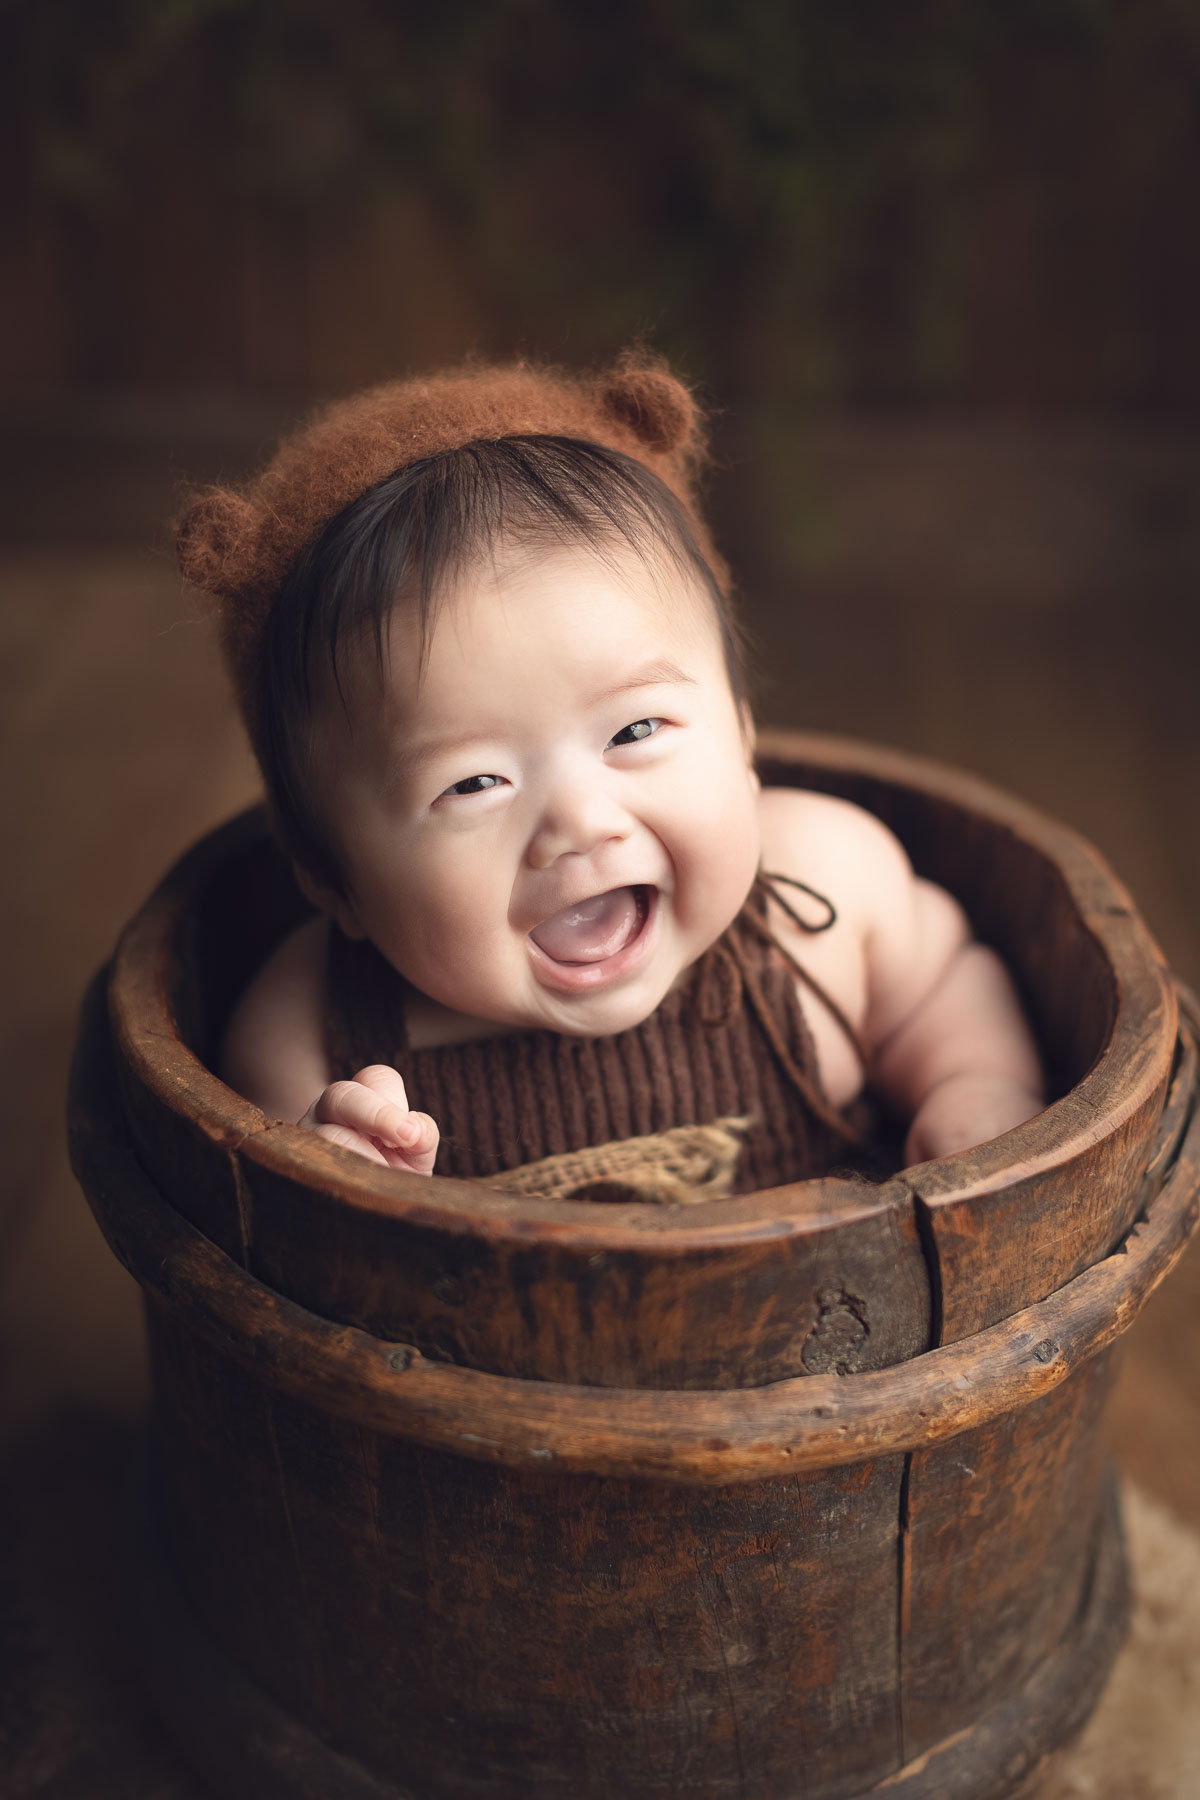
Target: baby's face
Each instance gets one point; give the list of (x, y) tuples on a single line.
[(548, 823)]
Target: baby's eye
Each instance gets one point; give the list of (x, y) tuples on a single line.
[(633, 734), (475, 784)]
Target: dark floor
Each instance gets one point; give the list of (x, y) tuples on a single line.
[(1019, 600)]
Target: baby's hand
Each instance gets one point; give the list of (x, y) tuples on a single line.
[(966, 1110), (371, 1115)]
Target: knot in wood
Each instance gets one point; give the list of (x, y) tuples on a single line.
[(835, 1343)]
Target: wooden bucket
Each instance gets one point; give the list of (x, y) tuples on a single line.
[(800, 1495)]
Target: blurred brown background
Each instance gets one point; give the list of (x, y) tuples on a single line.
[(936, 269)]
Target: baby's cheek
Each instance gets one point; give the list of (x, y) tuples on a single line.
[(458, 943), (453, 929), (716, 858)]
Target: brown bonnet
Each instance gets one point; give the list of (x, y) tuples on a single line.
[(238, 545)]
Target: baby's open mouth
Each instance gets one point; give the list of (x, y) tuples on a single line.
[(595, 929)]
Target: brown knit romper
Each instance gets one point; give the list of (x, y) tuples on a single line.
[(729, 1040)]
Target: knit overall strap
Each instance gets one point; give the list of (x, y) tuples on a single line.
[(752, 927)]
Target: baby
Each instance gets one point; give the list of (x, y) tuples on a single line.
[(484, 647)]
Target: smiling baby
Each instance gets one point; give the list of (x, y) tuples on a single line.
[(485, 651)]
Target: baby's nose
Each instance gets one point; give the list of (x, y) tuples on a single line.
[(576, 822)]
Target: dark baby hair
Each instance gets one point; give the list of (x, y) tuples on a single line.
[(403, 539)]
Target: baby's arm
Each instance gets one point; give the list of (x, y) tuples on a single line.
[(938, 1016), (274, 1054), (949, 1043)]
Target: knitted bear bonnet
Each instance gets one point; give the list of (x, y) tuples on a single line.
[(238, 545)]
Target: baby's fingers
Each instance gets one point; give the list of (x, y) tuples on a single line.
[(418, 1152), (385, 1081), (371, 1115), (416, 1136), (363, 1110)]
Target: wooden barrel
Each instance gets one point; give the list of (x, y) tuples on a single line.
[(795, 1496)]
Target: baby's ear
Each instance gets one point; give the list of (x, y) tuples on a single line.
[(327, 900), (214, 541), (655, 406)]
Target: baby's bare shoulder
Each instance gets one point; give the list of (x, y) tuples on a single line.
[(274, 1050), (835, 846), (908, 929)]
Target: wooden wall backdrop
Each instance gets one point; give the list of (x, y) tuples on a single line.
[(948, 201)]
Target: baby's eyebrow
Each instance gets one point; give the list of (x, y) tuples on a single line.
[(409, 757), (661, 673)]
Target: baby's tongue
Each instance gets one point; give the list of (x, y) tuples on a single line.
[(590, 930)]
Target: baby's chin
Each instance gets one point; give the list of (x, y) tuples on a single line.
[(598, 1013), (607, 1011), (458, 1016)]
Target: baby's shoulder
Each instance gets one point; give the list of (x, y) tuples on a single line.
[(273, 1050), (834, 846)]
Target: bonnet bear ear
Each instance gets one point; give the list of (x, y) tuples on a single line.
[(214, 541), (656, 408)]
